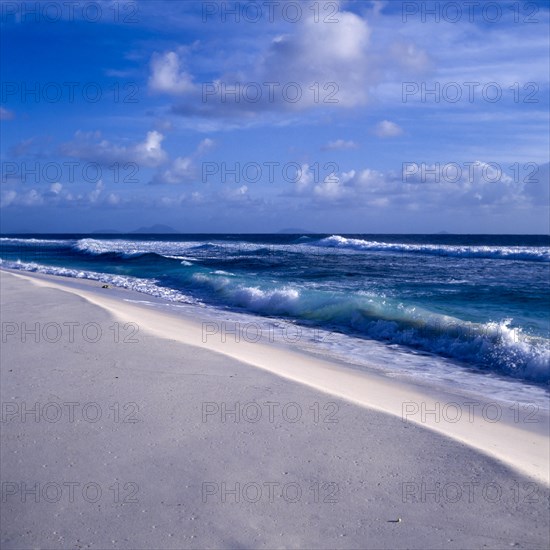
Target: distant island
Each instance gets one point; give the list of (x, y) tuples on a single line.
[(156, 228)]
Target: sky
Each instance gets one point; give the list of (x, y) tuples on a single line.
[(256, 116)]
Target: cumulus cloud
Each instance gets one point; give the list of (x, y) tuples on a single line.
[(57, 195), (205, 145), (7, 198), (332, 188), (151, 149), (94, 195), (310, 64), (147, 153), (90, 147), (167, 76), (387, 129), (56, 188), (183, 169), (235, 195), (324, 53), (428, 187), (304, 178), (537, 184)]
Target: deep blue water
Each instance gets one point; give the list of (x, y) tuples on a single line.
[(480, 299)]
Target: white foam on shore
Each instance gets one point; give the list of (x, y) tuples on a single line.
[(523, 449), (495, 347), (146, 286)]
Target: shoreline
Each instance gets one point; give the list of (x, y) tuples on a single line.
[(521, 445), (123, 436)]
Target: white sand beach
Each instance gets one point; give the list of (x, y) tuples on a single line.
[(135, 433)]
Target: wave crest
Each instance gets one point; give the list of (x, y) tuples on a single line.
[(526, 253)]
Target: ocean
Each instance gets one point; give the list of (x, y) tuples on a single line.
[(468, 311)]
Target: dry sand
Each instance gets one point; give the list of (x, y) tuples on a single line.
[(134, 444)]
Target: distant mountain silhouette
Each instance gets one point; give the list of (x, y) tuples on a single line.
[(157, 228)]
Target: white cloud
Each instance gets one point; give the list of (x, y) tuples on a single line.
[(378, 6), (334, 55), (151, 149), (57, 195), (56, 188), (238, 194), (7, 198), (386, 129), (167, 76), (87, 147), (147, 153), (113, 199), (304, 179), (331, 188), (27, 198), (183, 169), (482, 185), (205, 145), (314, 64), (538, 184), (93, 196)]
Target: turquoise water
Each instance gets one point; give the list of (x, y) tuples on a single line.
[(480, 300)]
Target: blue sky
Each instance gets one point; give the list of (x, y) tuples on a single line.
[(352, 116)]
